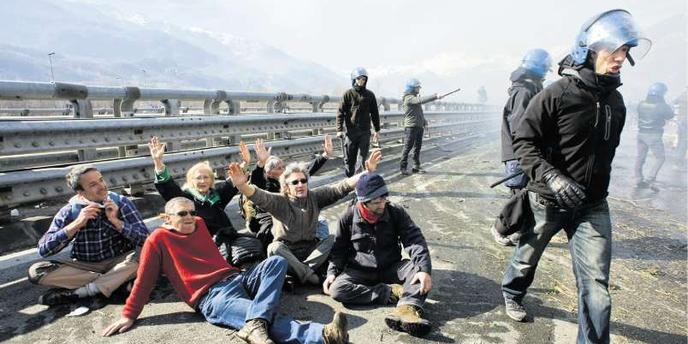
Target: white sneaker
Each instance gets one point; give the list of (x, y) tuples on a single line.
[(500, 239)]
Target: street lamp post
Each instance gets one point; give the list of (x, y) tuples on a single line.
[(52, 74)]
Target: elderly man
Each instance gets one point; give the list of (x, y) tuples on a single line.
[(183, 250), (366, 264), (566, 142), (104, 229), (295, 215)]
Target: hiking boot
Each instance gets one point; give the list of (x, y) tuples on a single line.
[(396, 290), (405, 172), (418, 170), (335, 332), (515, 310), (500, 239), (57, 297), (407, 318), (255, 331)]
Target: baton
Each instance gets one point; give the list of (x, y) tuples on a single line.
[(451, 92), (511, 176)]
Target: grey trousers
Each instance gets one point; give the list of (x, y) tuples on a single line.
[(303, 258), (649, 142), (368, 287)]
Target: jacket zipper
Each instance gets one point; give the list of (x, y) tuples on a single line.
[(591, 162), (608, 124)]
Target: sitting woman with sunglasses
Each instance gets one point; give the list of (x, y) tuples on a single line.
[(295, 214), (266, 175), (209, 199)]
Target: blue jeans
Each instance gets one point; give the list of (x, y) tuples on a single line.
[(255, 294), (323, 229), (588, 229)]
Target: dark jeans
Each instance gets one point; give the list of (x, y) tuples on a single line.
[(255, 294), (367, 287), (356, 147), (413, 138), (589, 231)]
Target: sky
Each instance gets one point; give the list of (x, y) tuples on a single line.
[(387, 36)]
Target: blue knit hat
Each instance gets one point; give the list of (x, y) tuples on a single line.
[(369, 187)]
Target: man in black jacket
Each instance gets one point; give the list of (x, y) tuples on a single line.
[(653, 112), (366, 264), (357, 110), (526, 81), (565, 143)]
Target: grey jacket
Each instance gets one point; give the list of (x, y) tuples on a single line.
[(412, 106), (295, 219)]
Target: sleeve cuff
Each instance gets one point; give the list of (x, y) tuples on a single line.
[(162, 176)]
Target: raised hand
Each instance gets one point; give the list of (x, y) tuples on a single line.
[(262, 154), (327, 146), (157, 151), (237, 175), (245, 154), (373, 160)]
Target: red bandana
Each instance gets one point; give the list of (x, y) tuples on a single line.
[(367, 215)]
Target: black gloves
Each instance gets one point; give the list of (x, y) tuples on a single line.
[(569, 194)]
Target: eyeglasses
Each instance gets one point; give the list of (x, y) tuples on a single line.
[(297, 181), (185, 212)]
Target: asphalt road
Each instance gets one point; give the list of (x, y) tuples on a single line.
[(454, 206)]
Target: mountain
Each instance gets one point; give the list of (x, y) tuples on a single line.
[(96, 45)]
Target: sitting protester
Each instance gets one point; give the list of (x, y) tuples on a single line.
[(366, 265), (295, 215), (210, 199), (265, 176), (104, 229), (183, 250)]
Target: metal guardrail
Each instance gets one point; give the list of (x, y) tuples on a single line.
[(123, 98), (49, 141), (25, 137), (40, 184)]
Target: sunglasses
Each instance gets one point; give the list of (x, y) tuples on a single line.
[(297, 181), (185, 212)]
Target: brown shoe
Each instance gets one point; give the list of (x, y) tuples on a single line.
[(396, 290), (407, 318), (255, 331), (335, 332)]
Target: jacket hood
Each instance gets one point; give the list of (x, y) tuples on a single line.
[(521, 74)]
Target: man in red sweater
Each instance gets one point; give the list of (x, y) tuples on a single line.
[(183, 250)]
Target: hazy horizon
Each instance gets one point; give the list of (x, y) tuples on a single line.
[(445, 43)]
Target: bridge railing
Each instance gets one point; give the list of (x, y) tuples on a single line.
[(123, 98), (28, 147)]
